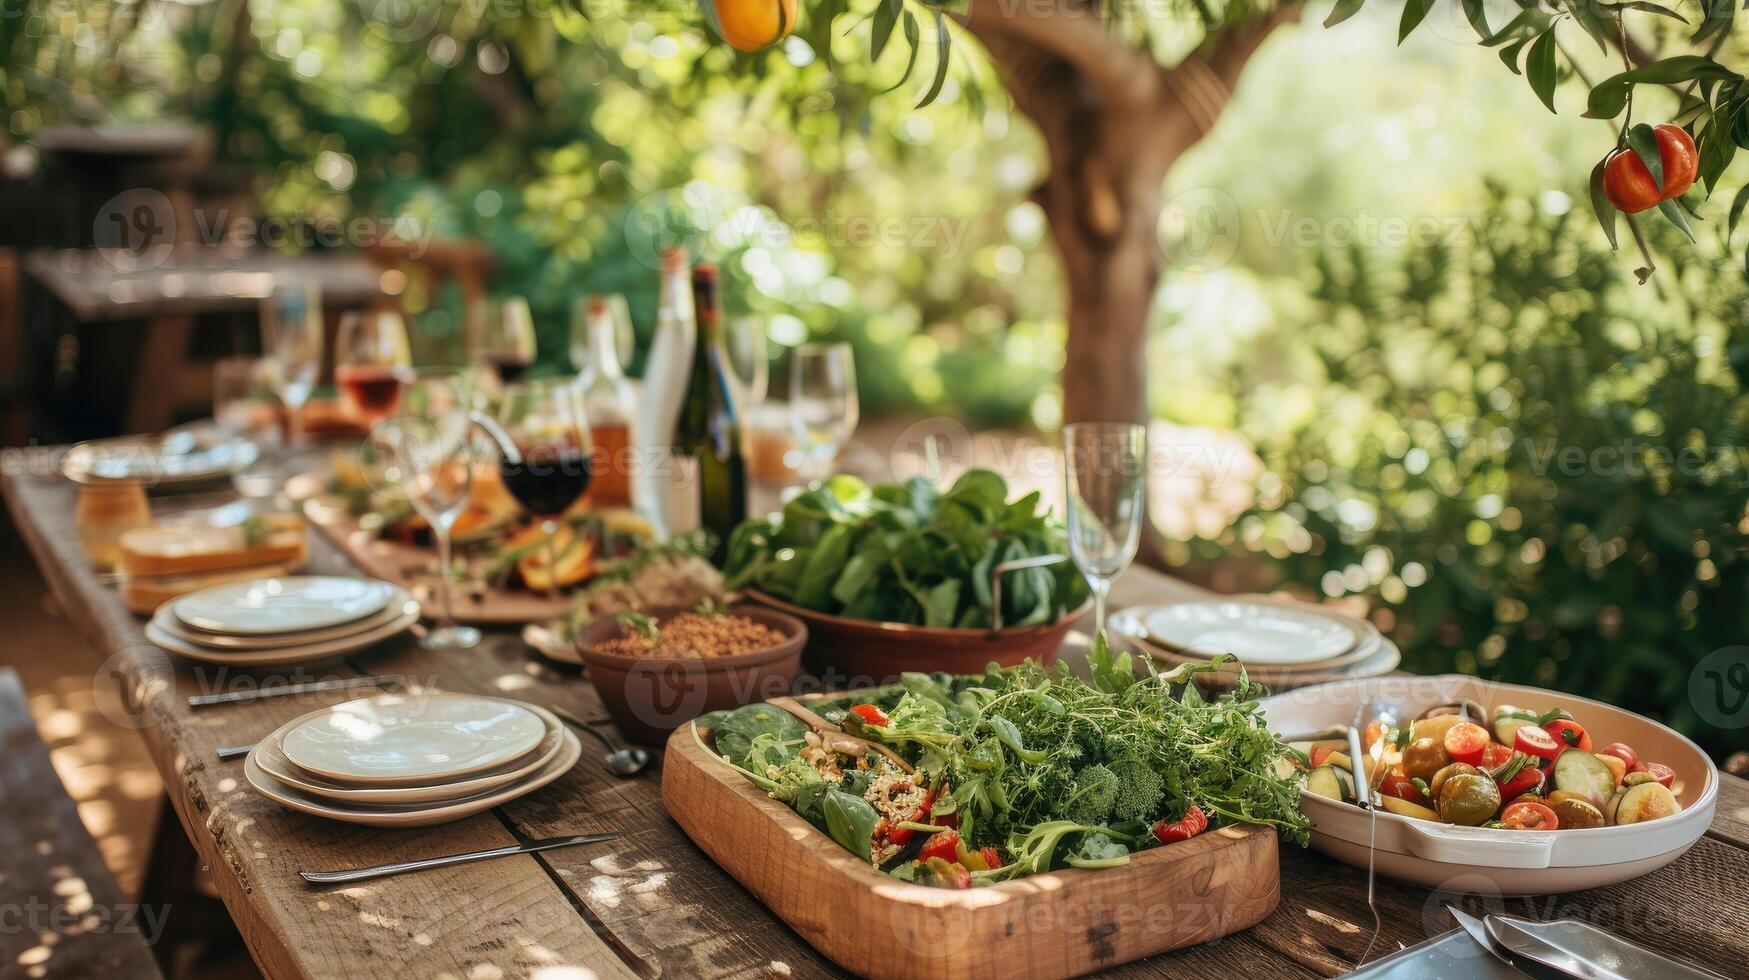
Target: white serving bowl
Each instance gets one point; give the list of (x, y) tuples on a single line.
[(1505, 862)]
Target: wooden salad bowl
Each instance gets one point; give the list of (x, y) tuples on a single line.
[(857, 652), (1057, 924)]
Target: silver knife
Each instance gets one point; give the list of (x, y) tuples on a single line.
[(1479, 932), (1583, 950), (276, 691), (384, 870)]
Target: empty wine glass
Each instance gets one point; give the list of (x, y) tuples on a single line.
[(749, 361), (372, 362), (427, 453), (822, 404), (1105, 474), (291, 343)]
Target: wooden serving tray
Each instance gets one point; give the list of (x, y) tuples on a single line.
[(1058, 924)]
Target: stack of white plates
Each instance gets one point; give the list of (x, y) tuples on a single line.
[(272, 621), (1280, 643), (411, 760)]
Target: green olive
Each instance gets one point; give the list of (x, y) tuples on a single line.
[(1469, 799), (1424, 757), (1576, 814), (1455, 769)]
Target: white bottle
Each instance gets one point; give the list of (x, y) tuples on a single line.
[(656, 481)]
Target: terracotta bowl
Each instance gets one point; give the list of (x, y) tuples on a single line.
[(649, 697), (875, 652)]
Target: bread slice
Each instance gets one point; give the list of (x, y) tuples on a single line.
[(191, 549)]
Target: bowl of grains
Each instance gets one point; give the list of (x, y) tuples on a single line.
[(660, 668)]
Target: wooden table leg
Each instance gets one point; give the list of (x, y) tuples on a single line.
[(152, 404)]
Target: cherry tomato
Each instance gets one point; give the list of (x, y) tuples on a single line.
[(992, 857), (1528, 780), (1662, 773), (944, 845), (1570, 734), (1495, 756), (1466, 742), (1374, 732), (869, 713), (1622, 752), (1529, 816), (1403, 788), (1535, 741), (1629, 185), (1194, 822)]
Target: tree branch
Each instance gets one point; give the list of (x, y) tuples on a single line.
[(1074, 32), (1203, 82)]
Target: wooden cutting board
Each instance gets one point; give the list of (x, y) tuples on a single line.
[(1058, 924)]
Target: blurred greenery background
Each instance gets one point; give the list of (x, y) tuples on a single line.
[(1409, 314)]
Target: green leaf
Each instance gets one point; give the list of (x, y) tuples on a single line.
[(885, 17), (1717, 16), (1644, 142), (1478, 16), (1670, 211), (1414, 11), (1716, 151), (1509, 55), (1600, 204), (851, 821), (1737, 205), (911, 38), (1529, 23), (1343, 10), (1610, 96), (942, 43), (1646, 7), (1540, 69), (1586, 15)]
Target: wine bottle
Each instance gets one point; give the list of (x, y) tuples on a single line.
[(664, 388), (611, 402), (709, 432)]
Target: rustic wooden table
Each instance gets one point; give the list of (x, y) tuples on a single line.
[(651, 903)]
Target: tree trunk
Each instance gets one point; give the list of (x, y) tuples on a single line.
[(1113, 122)]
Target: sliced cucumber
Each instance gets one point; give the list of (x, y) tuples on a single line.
[(1285, 768), (1582, 773), (1331, 782), (1647, 801), (1506, 728)]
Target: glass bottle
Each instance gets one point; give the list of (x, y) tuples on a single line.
[(611, 402)]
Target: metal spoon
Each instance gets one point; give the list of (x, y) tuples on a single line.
[(623, 762)]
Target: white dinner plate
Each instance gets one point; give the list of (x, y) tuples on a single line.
[(168, 622), (1257, 632), (1132, 623), (272, 761), (1384, 658), (282, 605), (417, 814), (406, 739), (170, 461), (285, 655)]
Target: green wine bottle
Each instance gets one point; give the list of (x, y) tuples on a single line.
[(709, 430)]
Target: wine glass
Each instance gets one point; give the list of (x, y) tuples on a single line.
[(291, 342), (372, 363), (1104, 475), (544, 455), (427, 454), (822, 404), (583, 345), (506, 343), (749, 361)]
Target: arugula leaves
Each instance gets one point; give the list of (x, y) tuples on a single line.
[(908, 553)]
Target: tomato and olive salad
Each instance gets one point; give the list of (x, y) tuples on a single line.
[(1019, 770), (1518, 770)]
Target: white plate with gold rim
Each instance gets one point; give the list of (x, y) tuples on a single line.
[(417, 814), (411, 739), (273, 762)]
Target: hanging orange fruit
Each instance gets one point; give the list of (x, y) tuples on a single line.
[(750, 25)]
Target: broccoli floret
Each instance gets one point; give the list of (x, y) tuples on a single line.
[(1139, 790), (1091, 800)]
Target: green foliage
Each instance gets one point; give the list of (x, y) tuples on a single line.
[(908, 553), (1532, 464)]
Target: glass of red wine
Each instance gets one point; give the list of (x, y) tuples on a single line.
[(372, 363), (544, 457), (506, 342)]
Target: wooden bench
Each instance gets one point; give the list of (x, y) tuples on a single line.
[(61, 913)]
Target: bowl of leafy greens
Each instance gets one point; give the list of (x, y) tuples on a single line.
[(902, 577)]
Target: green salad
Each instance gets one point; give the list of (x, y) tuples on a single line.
[(1019, 770), (908, 553)]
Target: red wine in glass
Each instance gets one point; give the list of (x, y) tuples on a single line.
[(510, 366), (549, 479), (374, 388)]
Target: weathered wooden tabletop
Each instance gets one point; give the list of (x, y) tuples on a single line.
[(651, 903)]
